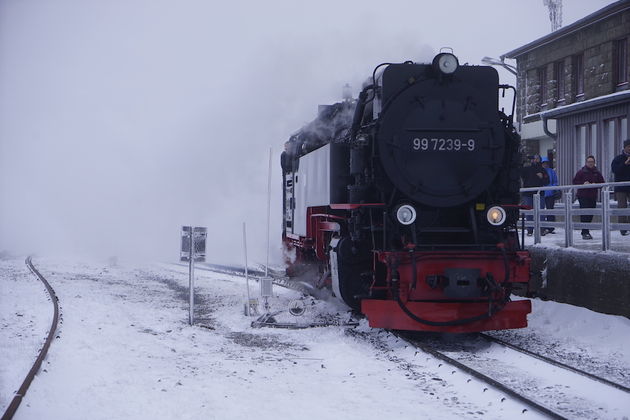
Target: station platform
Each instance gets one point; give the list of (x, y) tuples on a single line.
[(618, 243), (582, 275)]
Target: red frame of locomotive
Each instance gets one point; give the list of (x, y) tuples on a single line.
[(422, 300)]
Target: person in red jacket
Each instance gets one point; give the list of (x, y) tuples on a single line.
[(587, 197)]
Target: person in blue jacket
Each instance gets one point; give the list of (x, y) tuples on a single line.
[(552, 195), (533, 176), (621, 168)]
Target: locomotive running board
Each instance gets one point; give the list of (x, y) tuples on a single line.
[(388, 314)]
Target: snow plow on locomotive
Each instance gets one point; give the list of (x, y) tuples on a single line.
[(405, 200)]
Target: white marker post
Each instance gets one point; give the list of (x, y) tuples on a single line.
[(191, 281), (266, 283), (268, 211)]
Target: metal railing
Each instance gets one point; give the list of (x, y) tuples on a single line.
[(568, 210)]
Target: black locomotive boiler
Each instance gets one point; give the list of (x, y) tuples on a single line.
[(405, 200)]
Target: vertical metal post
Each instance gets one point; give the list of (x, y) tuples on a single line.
[(266, 284), (537, 217), (522, 230), (568, 219), (191, 278), (249, 303), (605, 219), (268, 211), (384, 231)]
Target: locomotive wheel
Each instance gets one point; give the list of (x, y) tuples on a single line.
[(353, 262)]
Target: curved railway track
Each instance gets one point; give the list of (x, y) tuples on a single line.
[(19, 395), (535, 405)]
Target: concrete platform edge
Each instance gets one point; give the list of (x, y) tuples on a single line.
[(599, 281)]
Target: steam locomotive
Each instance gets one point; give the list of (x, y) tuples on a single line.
[(405, 200)]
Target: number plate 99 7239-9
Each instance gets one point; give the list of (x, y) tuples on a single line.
[(435, 144)]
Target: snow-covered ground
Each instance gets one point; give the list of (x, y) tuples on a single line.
[(125, 351)]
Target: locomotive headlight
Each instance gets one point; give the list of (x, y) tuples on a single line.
[(406, 214), (447, 63), (496, 216)]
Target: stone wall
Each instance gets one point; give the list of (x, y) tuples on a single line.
[(599, 281), (595, 42)]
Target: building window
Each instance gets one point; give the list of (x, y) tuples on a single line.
[(580, 146), (593, 148), (587, 145), (615, 132), (559, 73), (620, 62), (578, 75), (542, 87)]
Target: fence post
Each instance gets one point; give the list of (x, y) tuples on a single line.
[(605, 219), (537, 217), (568, 219)]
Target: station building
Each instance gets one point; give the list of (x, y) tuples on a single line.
[(573, 91)]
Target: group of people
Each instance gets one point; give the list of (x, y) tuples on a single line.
[(540, 174)]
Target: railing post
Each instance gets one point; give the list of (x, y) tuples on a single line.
[(537, 217), (568, 219), (605, 219), (522, 231)]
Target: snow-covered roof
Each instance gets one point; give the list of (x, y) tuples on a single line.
[(587, 105), (594, 17)]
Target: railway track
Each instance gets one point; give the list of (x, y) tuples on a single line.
[(278, 279), (555, 362), (558, 399), (566, 406), (19, 395)]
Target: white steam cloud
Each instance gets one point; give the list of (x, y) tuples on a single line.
[(121, 121)]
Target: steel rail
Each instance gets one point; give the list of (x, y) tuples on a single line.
[(279, 280), (555, 362), (492, 382), (19, 395)]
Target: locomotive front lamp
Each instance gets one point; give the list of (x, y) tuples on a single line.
[(406, 214), (496, 216), (446, 63)]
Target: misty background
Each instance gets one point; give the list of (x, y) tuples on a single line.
[(122, 120)]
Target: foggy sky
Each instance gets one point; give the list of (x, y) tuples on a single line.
[(121, 121)]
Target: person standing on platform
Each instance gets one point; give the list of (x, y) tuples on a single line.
[(533, 175), (552, 195), (620, 166), (589, 174)]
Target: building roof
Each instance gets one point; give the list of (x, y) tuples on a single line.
[(588, 105), (594, 17)]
